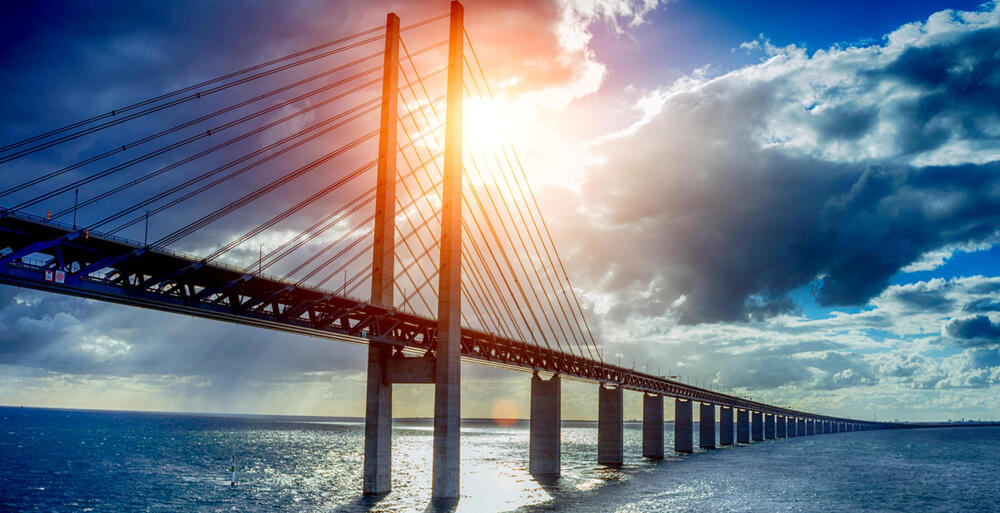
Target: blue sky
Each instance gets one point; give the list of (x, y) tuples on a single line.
[(685, 35), (807, 192)]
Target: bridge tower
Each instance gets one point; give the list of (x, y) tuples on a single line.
[(445, 483), (442, 369), (378, 410)]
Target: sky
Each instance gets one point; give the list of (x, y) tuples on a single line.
[(792, 201)]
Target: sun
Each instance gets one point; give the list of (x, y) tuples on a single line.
[(487, 125)]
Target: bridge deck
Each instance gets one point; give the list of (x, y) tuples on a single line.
[(112, 269)]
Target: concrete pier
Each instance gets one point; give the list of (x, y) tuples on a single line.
[(726, 432), (609, 426), (800, 429), (448, 380), (792, 429), (683, 426), (544, 438), (768, 426), (652, 426), (378, 424), (780, 428), (743, 426), (706, 426), (377, 476), (757, 427), (810, 427)]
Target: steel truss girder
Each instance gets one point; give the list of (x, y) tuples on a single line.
[(330, 316)]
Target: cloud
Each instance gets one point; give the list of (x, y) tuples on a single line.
[(832, 171), (978, 329), (982, 305), (823, 172), (74, 336)]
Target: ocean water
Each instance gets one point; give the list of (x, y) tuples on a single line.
[(64, 460)]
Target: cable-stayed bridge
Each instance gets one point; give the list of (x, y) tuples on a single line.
[(327, 192)]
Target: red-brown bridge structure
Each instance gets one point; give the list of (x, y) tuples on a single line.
[(453, 246)]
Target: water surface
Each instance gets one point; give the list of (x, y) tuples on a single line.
[(64, 460)]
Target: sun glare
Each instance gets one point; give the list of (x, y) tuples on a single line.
[(505, 412), (487, 125)]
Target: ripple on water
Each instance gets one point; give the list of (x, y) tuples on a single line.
[(56, 460)]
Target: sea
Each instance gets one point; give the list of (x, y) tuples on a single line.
[(55, 460)]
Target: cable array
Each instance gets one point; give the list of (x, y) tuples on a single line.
[(274, 173), (514, 284)]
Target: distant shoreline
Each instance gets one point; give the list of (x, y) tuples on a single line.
[(325, 418)]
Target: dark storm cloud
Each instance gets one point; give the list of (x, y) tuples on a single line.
[(983, 305), (719, 201), (925, 300), (975, 330)]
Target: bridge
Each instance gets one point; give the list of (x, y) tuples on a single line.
[(460, 262)]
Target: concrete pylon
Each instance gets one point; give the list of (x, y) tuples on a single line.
[(377, 476), (683, 426), (800, 428), (768, 426), (726, 426), (610, 442), (378, 424), (652, 426), (706, 426), (544, 442), (742, 426), (780, 428), (447, 388), (757, 427)]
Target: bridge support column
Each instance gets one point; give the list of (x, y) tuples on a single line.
[(757, 427), (768, 426), (726, 425), (652, 426), (447, 389), (378, 424), (610, 442), (544, 440), (800, 429), (743, 426), (384, 369), (378, 410), (683, 426), (810, 427), (706, 426), (780, 428)]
